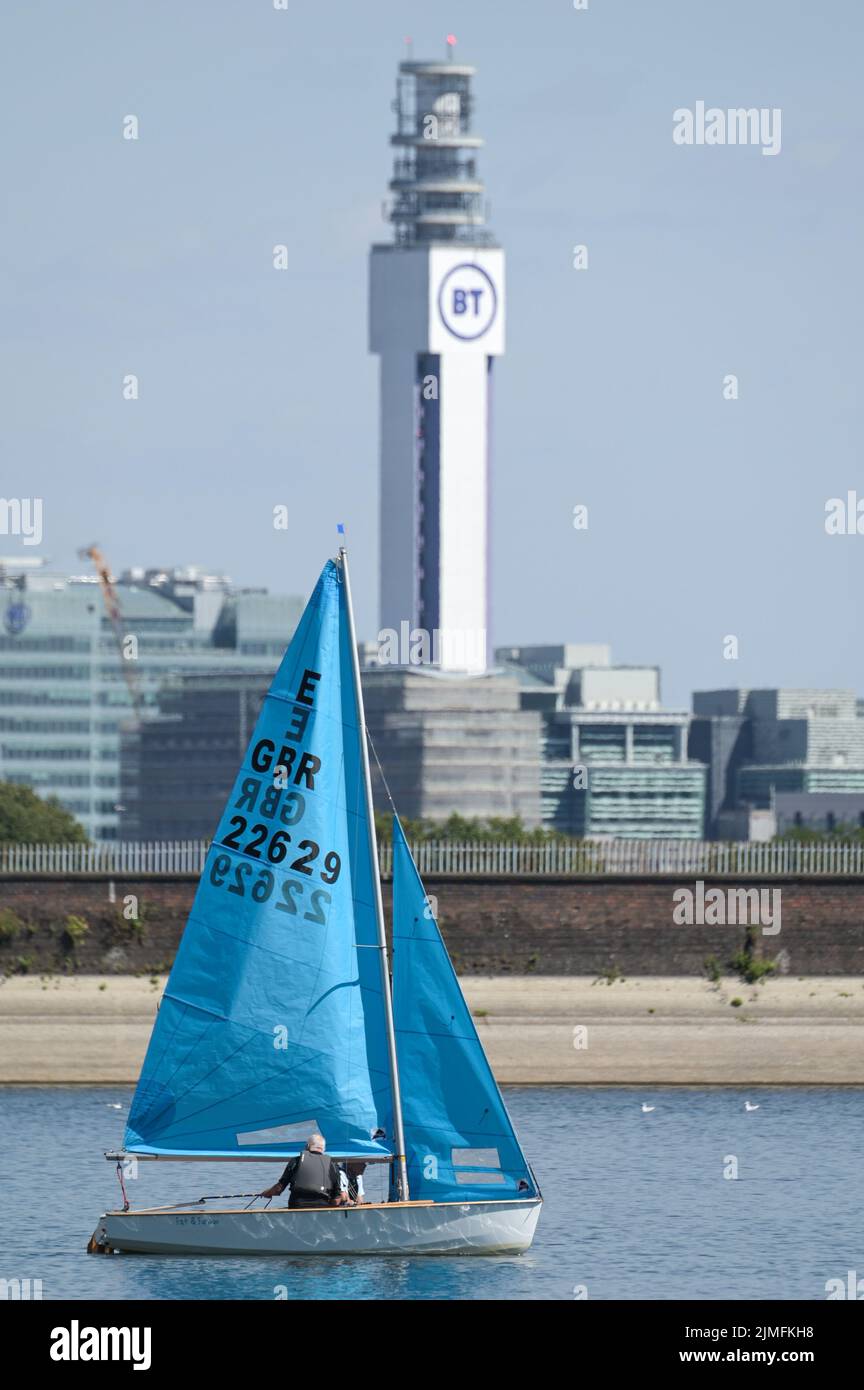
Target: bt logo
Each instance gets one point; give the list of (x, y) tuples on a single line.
[(467, 301)]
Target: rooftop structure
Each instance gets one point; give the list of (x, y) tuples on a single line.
[(438, 195)]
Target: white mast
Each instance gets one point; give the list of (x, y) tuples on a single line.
[(402, 1178)]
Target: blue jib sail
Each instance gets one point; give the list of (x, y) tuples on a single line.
[(458, 1136), (272, 1023)]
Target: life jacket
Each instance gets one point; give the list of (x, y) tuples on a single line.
[(312, 1175)]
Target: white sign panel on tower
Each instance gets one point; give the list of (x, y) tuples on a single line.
[(466, 300)]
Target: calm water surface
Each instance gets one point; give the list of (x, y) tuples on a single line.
[(636, 1205)]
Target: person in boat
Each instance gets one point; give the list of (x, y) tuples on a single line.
[(353, 1185), (314, 1179)]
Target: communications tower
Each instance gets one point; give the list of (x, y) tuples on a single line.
[(437, 324)]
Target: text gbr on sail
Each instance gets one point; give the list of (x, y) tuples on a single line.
[(264, 753)]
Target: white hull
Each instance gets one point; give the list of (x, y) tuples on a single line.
[(397, 1228)]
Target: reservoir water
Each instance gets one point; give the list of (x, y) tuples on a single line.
[(636, 1203)]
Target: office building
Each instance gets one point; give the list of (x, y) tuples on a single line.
[(177, 769), (453, 744), (614, 761), (758, 744), (67, 692)]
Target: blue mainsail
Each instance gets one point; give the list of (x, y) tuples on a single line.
[(459, 1139), (272, 1022)]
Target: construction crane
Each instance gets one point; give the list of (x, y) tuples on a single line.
[(112, 607)]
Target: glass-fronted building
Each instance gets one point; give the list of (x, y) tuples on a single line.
[(68, 692)]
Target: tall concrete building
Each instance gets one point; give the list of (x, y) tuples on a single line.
[(65, 704), (453, 744), (437, 323)]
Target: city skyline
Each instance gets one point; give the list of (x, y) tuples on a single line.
[(701, 262)]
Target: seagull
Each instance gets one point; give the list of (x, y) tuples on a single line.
[(646, 1109), (113, 1105), (748, 1106)]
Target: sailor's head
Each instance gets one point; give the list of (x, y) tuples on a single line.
[(315, 1143)]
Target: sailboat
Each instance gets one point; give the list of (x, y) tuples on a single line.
[(281, 1018)]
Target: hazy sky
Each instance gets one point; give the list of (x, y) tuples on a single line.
[(258, 126)]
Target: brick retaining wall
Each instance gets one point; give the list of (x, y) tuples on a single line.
[(492, 926)]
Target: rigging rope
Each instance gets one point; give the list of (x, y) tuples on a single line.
[(380, 769), (213, 1197)]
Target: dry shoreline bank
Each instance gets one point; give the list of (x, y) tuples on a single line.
[(536, 1029)]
